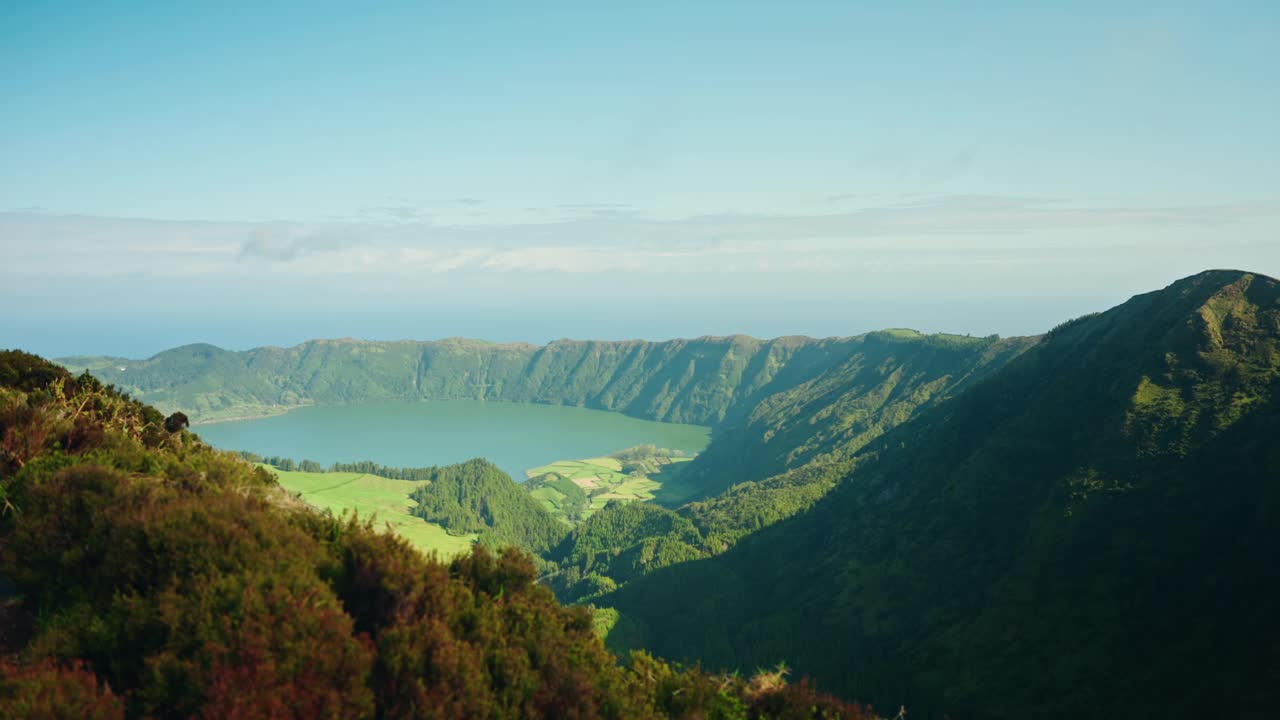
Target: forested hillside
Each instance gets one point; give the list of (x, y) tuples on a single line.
[(1033, 527), (1089, 532), (781, 458), (702, 381), (787, 404), (143, 574), (886, 378), (707, 381), (787, 411), (477, 497)]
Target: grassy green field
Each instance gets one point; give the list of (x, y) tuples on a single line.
[(574, 489), (370, 495)]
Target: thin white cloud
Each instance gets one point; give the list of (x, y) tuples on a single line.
[(289, 242), (958, 231)]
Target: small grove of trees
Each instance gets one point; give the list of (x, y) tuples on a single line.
[(283, 463), (646, 459), (366, 467), (476, 496), (647, 452)]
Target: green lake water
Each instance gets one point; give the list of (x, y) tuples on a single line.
[(513, 436)]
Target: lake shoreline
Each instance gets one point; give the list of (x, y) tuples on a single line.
[(515, 436), (276, 411)]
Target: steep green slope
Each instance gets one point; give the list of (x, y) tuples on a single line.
[(626, 540), (1089, 532), (158, 578), (702, 381), (706, 381), (619, 543), (788, 452), (885, 378)]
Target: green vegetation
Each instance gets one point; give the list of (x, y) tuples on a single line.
[(387, 502), (778, 460), (573, 490), (828, 417), (624, 541), (363, 467), (748, 507), (472, 502), (156, 577), (1078, 525), (707, 381), (561, 496), (88, 363), (476, 502), (785, 404), (621, 543), (477, 497), (1089, 531)]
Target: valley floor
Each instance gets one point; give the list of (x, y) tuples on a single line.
[(386, 500)]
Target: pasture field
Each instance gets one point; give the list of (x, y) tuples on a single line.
[(370, 495), (573, 490)]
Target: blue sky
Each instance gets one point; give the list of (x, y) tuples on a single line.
[(177, 172)]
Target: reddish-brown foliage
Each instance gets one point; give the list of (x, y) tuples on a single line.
[(45, 691)]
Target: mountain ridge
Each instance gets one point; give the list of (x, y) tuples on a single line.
[(706, 381), (1087, 528), (463, 340)]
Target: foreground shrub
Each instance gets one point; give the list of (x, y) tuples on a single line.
[(161, 578), (47, 691)]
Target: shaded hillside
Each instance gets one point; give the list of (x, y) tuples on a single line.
[(791, 450), (883, 381), (147, 575), (1090, 532), (619, 543), (626, 540)]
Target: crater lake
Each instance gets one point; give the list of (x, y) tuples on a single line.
[(513, 436)]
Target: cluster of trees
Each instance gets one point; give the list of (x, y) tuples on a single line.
[(623, 541), (367, 467), (620, 542), (641, 453), (156, 577), (478, 497), (284, 463), (646, 459), (574, 501)]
